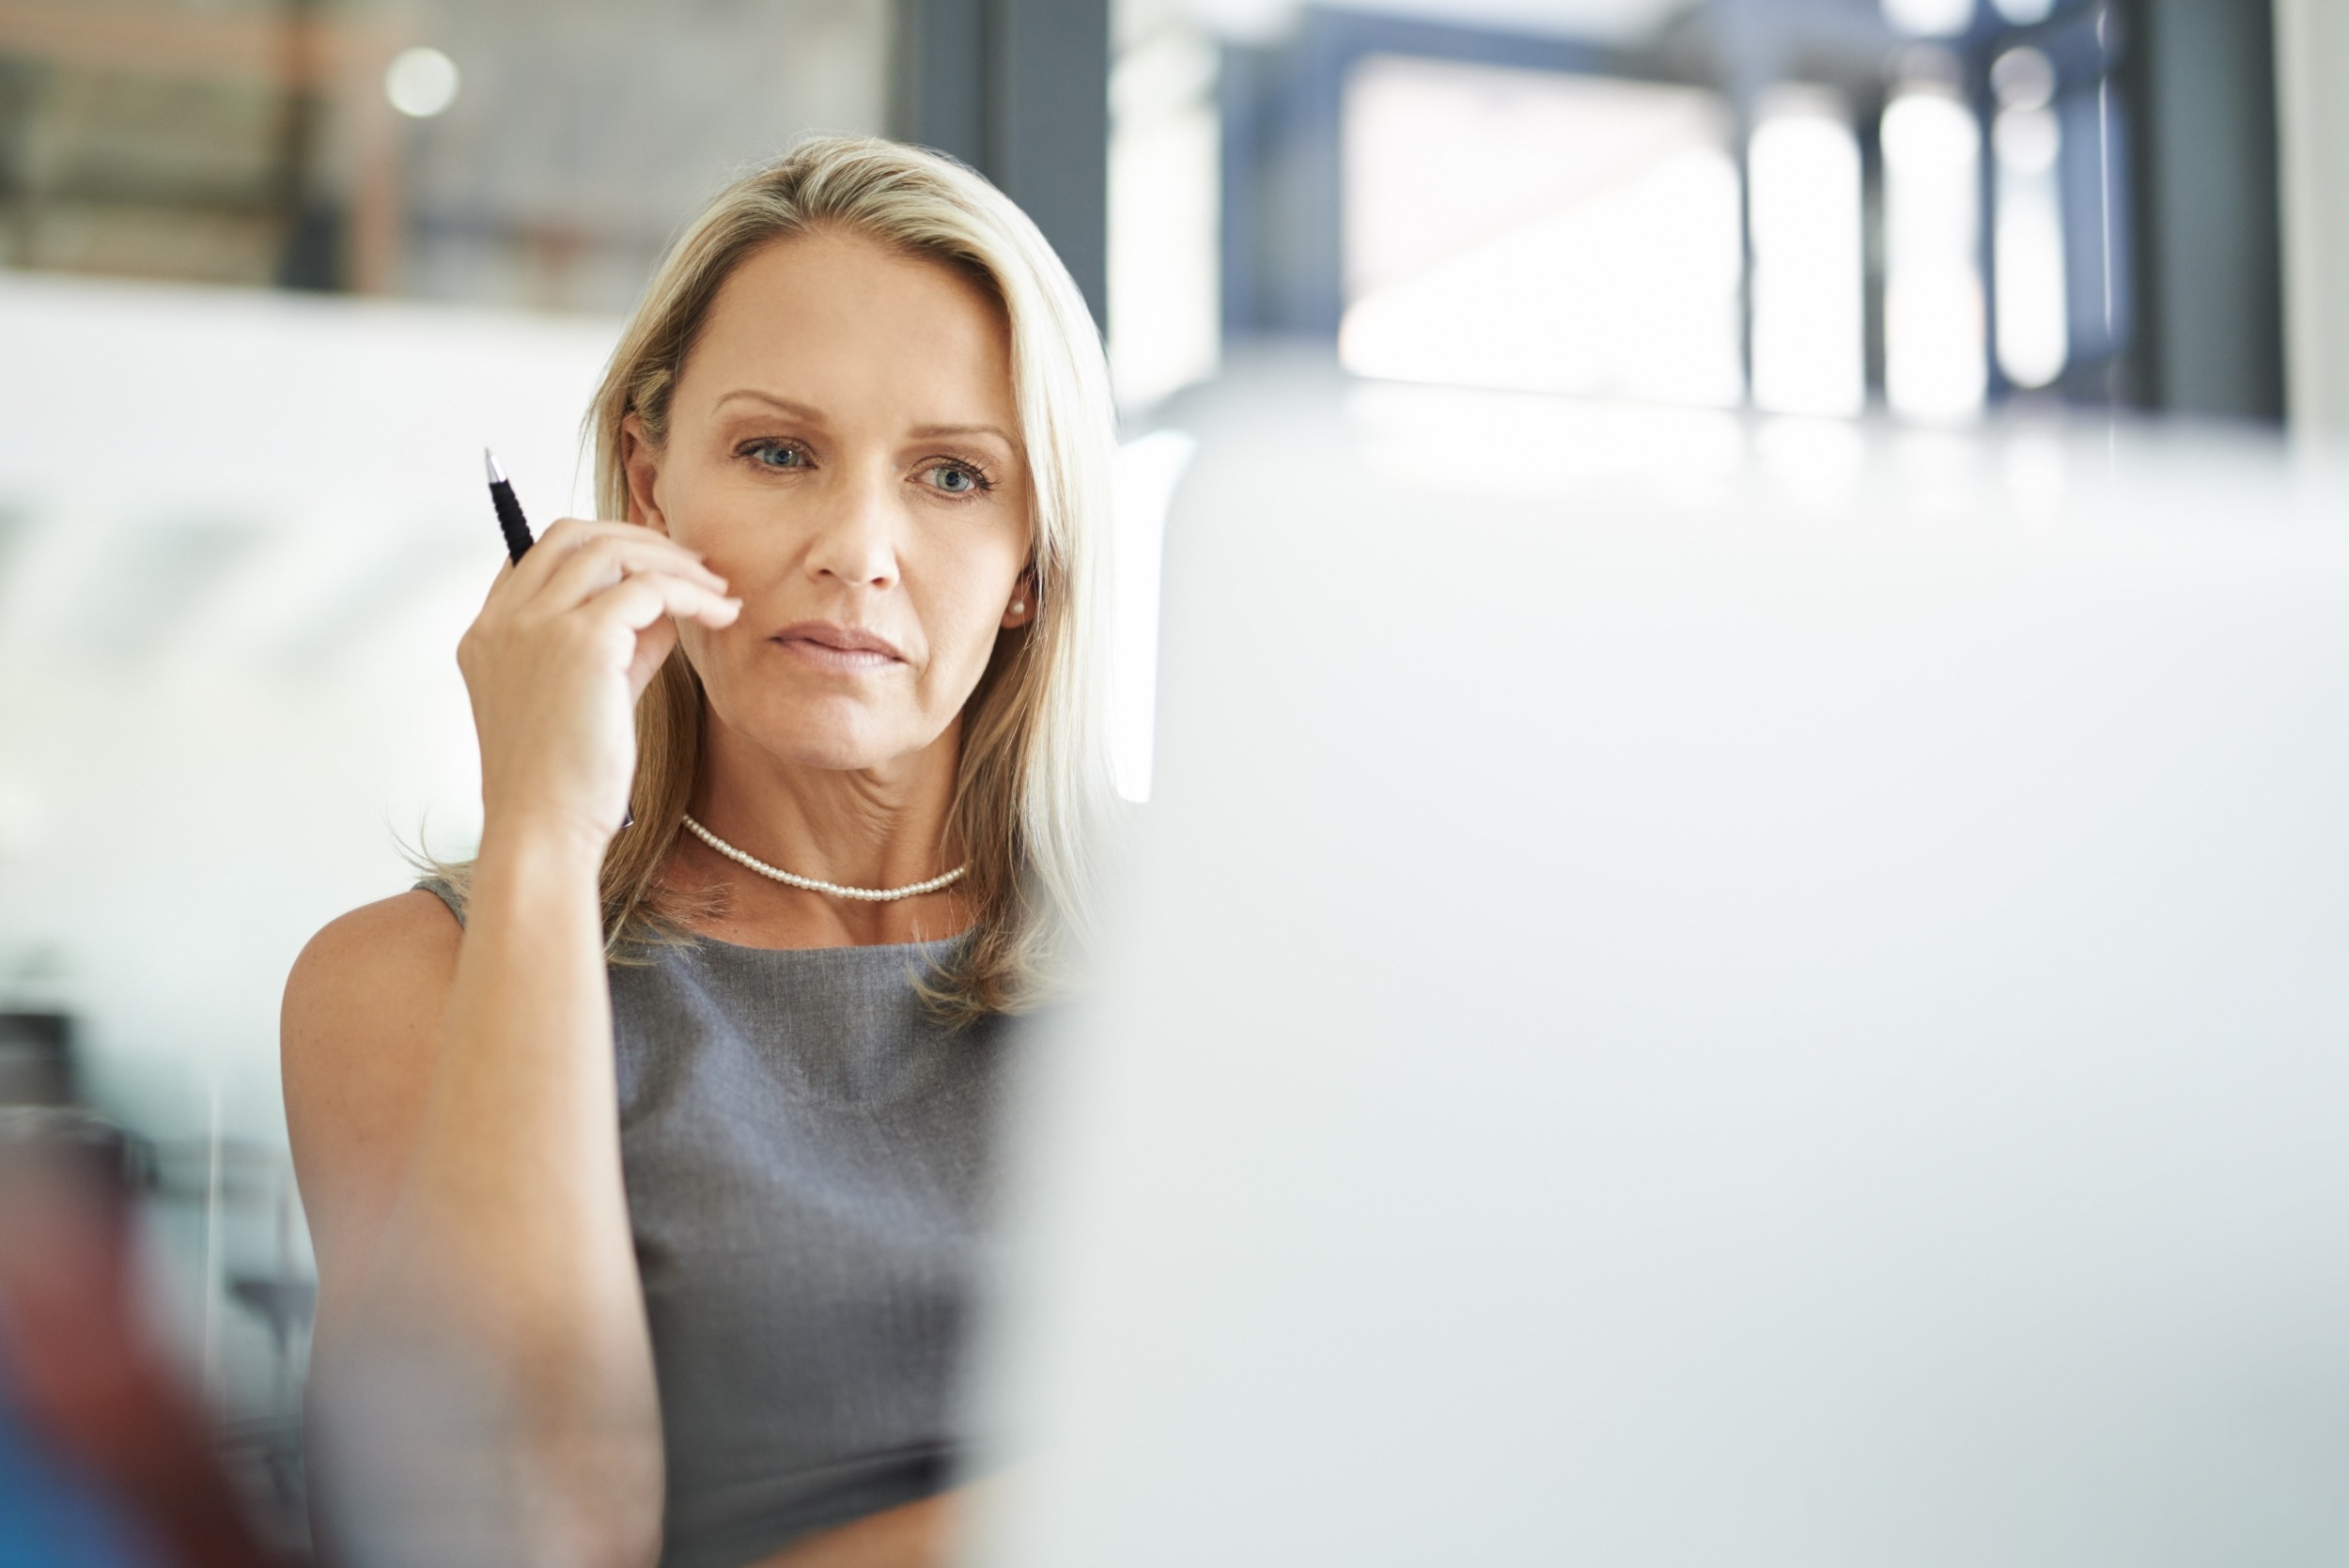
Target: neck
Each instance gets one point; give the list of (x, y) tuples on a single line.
[(859, 827)]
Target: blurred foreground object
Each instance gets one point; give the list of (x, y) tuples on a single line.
[(35, 1058), (1706, 991), (95, 1408)]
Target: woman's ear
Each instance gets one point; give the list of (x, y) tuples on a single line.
[(1021, 609), (641, 462)]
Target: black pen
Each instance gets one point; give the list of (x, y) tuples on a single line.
[(509, 510)]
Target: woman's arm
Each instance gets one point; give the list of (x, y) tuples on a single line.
[(453, 1126), (451, 1096)]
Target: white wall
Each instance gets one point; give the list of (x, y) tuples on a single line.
[(238, 535)]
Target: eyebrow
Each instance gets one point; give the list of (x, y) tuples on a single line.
[(798, 410), (929, 432), (815, 416)]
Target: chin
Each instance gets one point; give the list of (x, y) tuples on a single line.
[(842, 735)]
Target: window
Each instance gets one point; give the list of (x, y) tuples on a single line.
[(1540, 230)]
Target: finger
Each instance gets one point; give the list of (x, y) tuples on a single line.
[(641, 598), (653, 644), (516, 581), (571, 537), (598, 564)]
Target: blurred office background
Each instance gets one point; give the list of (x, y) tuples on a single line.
[(271, 272)]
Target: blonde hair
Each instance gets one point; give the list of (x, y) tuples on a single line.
[(1032, 789)]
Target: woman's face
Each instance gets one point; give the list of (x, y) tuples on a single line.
[(844, 450)]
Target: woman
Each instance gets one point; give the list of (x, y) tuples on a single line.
[(692, 1156)]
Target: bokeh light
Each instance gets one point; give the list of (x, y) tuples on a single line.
[(421, 82)]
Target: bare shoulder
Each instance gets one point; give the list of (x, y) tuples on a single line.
[(410, 928), (357, 1040), (382, 966)]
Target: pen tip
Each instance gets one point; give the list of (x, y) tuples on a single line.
[(497, 474)]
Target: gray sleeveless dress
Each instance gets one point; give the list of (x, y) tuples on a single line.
[(807, 1157)]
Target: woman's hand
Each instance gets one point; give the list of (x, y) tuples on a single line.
[(562, 648)]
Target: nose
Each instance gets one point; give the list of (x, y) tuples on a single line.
[(855, 538)]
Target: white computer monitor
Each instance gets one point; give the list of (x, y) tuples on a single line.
[(1706, 992)]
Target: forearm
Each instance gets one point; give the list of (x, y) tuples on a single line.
[(508, 1249), (515, 1180)]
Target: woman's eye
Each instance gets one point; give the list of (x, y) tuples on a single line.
[(954, 479), (769, 453)]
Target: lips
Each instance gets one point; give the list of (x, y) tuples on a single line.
[(832, 645)]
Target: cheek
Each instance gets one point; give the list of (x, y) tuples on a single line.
[(962, 631), (964, 618), (701, 514), (752, 546)]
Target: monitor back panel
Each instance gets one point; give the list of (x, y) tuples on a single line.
[(1671, 1023)]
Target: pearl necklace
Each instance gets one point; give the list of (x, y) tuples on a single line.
[(831, 889)]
